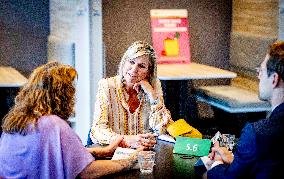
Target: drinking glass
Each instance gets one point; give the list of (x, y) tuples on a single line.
[(146, 161)]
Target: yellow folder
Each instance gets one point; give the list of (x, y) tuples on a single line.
[(182, 128)]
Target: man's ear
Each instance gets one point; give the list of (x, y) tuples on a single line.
[(276, 80)]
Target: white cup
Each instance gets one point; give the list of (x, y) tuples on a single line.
[(146, 160)]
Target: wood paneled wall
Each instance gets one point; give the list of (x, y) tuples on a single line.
[(258, 17), (255, 25)]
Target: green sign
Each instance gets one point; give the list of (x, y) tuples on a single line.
[(192, 146)]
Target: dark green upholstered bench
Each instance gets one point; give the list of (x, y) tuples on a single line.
[(232, 99)]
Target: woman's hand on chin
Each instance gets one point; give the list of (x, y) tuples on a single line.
[(147, 88)]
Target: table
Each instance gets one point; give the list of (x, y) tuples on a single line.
[(168, 165), (191, 71), (178, 89), (10, 77), (10, 81)]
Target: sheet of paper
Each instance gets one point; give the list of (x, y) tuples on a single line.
[(167, 138), (207, 162), (124, 153)]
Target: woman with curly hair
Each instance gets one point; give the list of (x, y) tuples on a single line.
[(37, 141)]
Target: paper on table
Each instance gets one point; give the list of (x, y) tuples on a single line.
[(207, 162), (167, 138), (124, 153)]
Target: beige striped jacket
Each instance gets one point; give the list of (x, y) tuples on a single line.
[(112, 116)]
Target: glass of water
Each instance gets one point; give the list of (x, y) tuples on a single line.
[(146, 161)]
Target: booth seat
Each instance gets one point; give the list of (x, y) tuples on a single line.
[(233, 105), (237, 103), (232, 99), (247, 51)]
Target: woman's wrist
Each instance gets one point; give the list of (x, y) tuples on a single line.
[(131, 162), (153, 97), (155, 101), (127, 164)]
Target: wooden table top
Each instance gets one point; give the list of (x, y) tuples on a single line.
[(10, 77), (191, 71)]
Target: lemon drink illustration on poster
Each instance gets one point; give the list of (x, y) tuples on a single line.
[(170, 35), (171, 46)]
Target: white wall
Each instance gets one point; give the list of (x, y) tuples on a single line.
[(76, 39), (82, 63), (97, 67)]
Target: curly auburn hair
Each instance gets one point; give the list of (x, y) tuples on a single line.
[(49, 91)]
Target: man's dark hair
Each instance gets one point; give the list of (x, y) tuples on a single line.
[(275, 63)]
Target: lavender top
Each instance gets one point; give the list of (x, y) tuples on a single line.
[(53, 150)]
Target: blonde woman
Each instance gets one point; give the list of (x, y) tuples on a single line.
[(37, 141), (131, 103)]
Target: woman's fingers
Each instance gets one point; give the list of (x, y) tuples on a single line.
[(116, 141), (148, 135), (124, 144), (147, 88), (136, 87), (145, 85), (147, 140)]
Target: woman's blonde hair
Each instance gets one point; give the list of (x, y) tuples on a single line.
[(138, 49), (49, 91)]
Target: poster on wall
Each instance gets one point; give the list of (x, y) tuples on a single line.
[(170, 35)]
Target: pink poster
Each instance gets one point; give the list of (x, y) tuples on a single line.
[(170, 35)]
